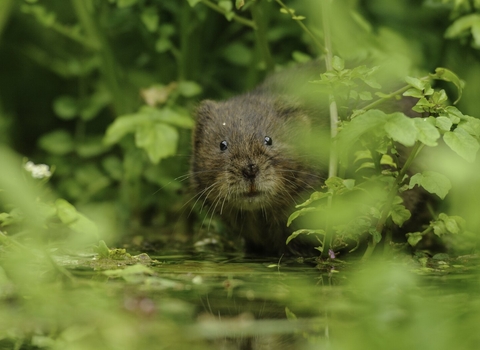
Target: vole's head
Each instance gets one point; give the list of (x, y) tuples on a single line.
[(248, 153)]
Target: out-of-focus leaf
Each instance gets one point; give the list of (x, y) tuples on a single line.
[(158, 140), (433, 182), (401, 129), (462, 143), (57, 142), (65, 107), (150, 18)]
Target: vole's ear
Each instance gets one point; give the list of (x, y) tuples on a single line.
[(205, 110)]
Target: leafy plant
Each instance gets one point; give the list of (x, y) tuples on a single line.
[(375, 135)]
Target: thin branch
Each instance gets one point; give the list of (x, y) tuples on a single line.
[(391, 95), (333, 163), (261, 36), (236, 18), (317, 42)]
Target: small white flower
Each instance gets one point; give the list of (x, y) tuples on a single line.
[(38, 171)]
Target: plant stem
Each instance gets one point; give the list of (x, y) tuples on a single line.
[(108, 63), (182, 58), (391, 95), (333, 163), (236, 18), (317, 42), (388, 240), (261, 36)]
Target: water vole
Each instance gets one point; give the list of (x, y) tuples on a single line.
[(251, 164)]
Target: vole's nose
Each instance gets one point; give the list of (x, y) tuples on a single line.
[(250, 171)]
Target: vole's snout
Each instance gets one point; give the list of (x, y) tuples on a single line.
[(250, 171)]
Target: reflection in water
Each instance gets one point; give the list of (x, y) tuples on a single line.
[(244, 304), (261, 307)]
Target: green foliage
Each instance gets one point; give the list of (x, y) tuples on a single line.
[(154, 130), (376, 135)]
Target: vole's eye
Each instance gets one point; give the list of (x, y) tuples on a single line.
[(223, 145), (267, 140)]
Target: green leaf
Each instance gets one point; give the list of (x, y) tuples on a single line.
[(400, 214), (427, 133), (163, 44), (365, 96), (68, 215), (299, 213), (227, 6), (448, 75), (145, 117), (298, 18), (189, 88), (372, 83), (422, 105), (451, 225), (462, 143), (301, 57), (58, 142), (476, 35), (313, 197), (91, 147), (432, 182), (90, 107), (446, 224), (401, 129), (439, 228), (192, 3), (290, 315), (439, 97), (363, 123), (239, 4), (338, 63), (123, 125), (113, 166), (454, 224), (290, 10), (443, 123), (238, 53), (65, 107), (471, 125), (454, 114), (158, 140), (414, 93), (461, 25), (304, 232), (178, 117), (416, 83), (102, 249), (150, 19), (414, 238), (349, 183)]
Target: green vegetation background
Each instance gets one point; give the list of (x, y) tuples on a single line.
[(102, 91)]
